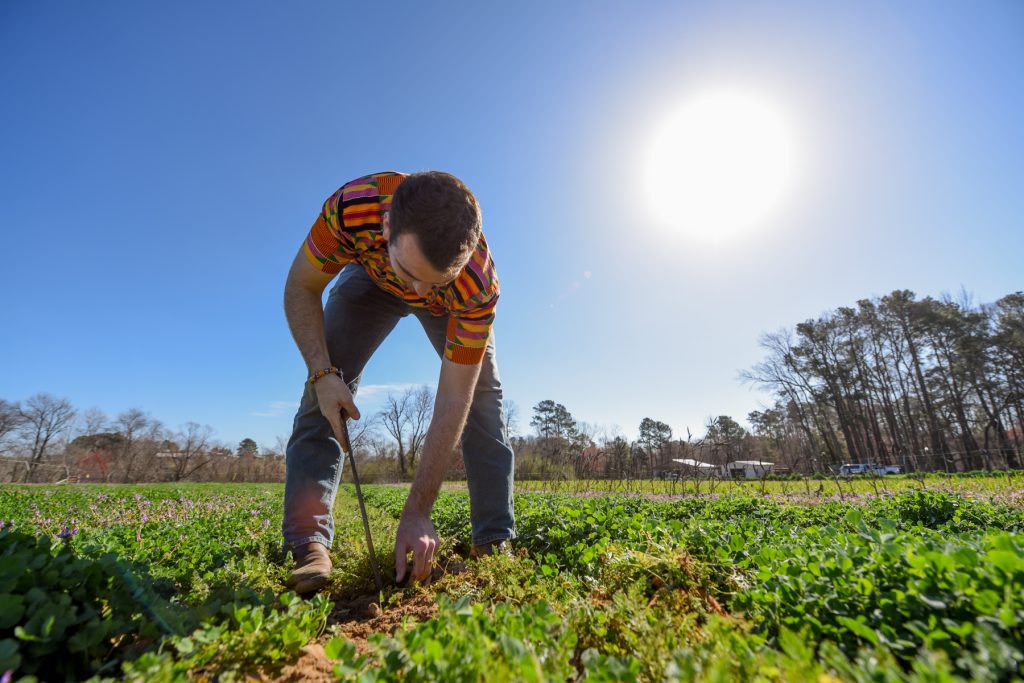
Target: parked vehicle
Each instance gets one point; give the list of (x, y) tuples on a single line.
[(850, 469)]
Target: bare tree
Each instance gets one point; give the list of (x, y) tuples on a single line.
[(406, 418), (511, 417), (394, 418), (192, 451), (92, 421), (360, 431), (421, 410), (10, 420), (90, 430), (141, 439), (380, 447), (43, 417)]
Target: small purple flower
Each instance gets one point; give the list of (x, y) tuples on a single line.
[(6, 678), (66, 533)]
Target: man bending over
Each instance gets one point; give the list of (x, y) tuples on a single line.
[(403, 244)]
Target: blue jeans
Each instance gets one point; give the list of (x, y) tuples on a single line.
[(358, 316)]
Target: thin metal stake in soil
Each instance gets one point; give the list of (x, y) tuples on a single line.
[(362, 505)]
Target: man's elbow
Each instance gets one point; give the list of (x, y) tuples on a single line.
[(458, 379), (303, 279)]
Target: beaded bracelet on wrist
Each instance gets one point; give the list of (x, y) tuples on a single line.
[(323, 373)]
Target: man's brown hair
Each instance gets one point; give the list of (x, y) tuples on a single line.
[(442, 212)]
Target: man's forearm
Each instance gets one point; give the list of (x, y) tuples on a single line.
[(438, 449), (305, 313)]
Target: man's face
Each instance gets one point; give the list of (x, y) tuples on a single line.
[(410, 265)]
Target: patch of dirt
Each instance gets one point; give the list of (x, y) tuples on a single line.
[(356, 618), (360, 617), (313, 665)]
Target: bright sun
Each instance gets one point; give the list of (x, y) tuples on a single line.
[(720, 165)]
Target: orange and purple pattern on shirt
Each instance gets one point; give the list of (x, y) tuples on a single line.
[(349, 228)]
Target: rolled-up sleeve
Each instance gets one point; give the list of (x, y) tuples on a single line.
[(328, 247), (473, 299), (469, 331)]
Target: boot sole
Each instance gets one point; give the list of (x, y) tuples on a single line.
[(309, 585)]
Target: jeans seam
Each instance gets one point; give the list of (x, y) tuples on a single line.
[(315, 538), (335, 482), (494, 539)]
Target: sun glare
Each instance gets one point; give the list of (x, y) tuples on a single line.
[(720, 165)]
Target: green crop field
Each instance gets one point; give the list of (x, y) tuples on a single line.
[(1002, 486), (905, 580)]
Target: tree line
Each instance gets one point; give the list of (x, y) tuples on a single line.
[(923, 384), (563, 447), (46, 439), (927, 384)]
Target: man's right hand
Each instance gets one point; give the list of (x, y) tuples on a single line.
[(334, 397)]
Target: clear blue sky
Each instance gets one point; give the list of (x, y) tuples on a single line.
[(161, 163)]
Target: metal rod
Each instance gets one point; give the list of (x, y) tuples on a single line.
[(362, 505)]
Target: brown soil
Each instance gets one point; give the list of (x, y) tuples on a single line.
[(356, 618), (359, 618), (313, 665)]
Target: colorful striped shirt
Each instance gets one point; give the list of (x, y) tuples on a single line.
[(349, 228)]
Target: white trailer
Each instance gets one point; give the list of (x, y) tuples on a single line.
[(749, 469)]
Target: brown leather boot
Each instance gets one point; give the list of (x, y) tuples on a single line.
[(312, 568), (501, 547)]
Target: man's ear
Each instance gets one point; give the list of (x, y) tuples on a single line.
[(386, 226)]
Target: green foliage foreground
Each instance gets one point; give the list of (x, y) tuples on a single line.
[(914, 586), (185, 583)]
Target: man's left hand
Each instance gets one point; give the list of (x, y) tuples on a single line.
[(415, 533)]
